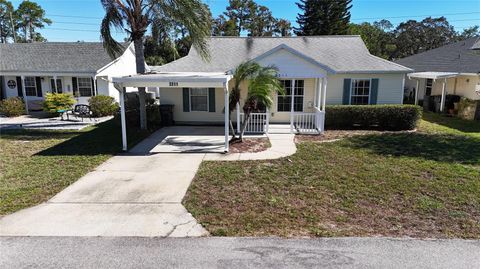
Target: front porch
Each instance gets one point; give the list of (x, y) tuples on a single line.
[(302, 112)]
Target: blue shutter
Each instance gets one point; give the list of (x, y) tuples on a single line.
[(374, 92), (186, 100), (347, 84), (211, 99)]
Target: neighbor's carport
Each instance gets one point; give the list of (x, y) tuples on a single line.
[(435, 76), (178, 80)]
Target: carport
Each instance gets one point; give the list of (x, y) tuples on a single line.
[(435, 76), (177, 80)]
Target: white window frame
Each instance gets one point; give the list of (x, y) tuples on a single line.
[(431, 86), (293, 95), (207, 95), (369, 90), (34, 86), (89, 82)]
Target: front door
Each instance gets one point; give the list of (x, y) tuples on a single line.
[(56, 86)]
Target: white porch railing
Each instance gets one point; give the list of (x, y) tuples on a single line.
[(309, 122), (258, 123)]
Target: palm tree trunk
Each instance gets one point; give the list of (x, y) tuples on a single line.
[(244, 126), (140, 64)]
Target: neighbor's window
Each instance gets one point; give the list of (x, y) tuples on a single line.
[(30, 86), (360, 92), (198, 99), (284, 102), (428, 87), (56, 87), (85, 86)]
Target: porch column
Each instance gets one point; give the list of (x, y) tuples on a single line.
[(416, 92), (324, 93), (444, 92), (157, 92), (227, 116), (122, 118), (319, 93), (94, 86), (24, 93), (238, 117), (292, 107)]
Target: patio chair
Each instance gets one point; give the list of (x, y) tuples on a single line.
[(82, 111)]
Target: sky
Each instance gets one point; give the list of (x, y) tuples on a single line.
[(75, 20)]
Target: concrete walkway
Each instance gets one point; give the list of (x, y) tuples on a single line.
[(138, 194)]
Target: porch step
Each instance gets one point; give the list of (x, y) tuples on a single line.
[(279, 129)]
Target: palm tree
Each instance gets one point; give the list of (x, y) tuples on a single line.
[(262, 85), (135, 16)]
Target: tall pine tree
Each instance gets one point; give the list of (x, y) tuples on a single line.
[(323, 17)]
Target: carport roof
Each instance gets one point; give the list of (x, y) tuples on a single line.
[(432, 75), (151, 79)]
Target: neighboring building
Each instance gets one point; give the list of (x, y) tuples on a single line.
[(315, 70), (31, 70), (453, 69)]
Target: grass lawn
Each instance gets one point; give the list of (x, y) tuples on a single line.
[(35, 165), (423, 184)]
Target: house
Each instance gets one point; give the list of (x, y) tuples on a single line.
[(315, 71), (31, 70), (453, 69)]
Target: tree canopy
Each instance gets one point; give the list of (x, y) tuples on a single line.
[(323, 17)]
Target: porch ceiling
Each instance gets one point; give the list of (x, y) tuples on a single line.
[(174, 79), (433, 75)]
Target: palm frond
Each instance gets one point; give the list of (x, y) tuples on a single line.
[(192, 14), (112, 18)]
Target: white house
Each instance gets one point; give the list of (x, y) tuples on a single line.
[(315, 71), (31, 70), (452, 69)]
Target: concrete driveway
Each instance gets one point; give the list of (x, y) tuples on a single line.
[(138, 194)]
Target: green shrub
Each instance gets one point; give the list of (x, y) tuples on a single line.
[(58, 101), (12, 107), (103, 105), (385, 117)]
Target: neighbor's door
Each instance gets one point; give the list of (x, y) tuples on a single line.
[(56, 86)]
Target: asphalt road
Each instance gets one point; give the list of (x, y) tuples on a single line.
[(136, 252)]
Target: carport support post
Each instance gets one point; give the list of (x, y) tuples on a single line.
[(416, 92), (324, 93), (123, 121), (227, 116), (238, 117), (24, 94), (442, 102)]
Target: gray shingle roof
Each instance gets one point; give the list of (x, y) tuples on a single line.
[(53, 57), (456, 57), (476, 46), (338, 53)]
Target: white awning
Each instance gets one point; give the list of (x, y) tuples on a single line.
[(174, 80), (432, 75)]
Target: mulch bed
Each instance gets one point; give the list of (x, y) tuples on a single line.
[(329, 135), (249, 145)]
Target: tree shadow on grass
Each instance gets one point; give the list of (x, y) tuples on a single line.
[(465, 126), (436, 147), (104, 138)]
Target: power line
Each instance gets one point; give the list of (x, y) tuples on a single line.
[(414, 16), (69, 16)]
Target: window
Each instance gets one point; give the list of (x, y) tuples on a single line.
[(284, 102), (30, 86), (360, 92), (428, 87), (58, 87), (85, 86), (198, 99)]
